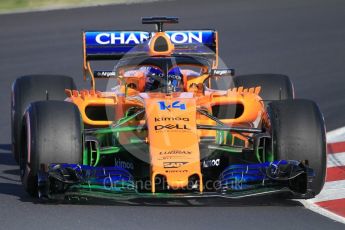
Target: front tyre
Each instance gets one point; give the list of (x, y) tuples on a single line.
[(298, 133), (51, 133)]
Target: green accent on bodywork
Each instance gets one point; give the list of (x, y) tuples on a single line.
[(117, 129), (257, 153), (224, 138), (116, 126), (270, 157), (98, 156), (122, 120), (128, 118), (136, 141), (225, 148), (85, 156), (109, 150), (107, 137), (93, 156), (263, 155)]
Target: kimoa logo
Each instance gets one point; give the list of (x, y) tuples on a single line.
[(123, 164), (140, 37), (157, 119)]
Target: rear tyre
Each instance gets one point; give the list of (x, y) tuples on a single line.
[(32, 88), (52, 133), (298, 133), (273, 86)]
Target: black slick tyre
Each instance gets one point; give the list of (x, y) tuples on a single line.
[(32, 88), (298, 133), (51, 133), (273, 86)]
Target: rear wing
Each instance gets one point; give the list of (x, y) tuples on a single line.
[(113, 45)]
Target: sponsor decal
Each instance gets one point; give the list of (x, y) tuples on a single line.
[(173, 164), (185, 37), (104, 74), (135, 38), (121, 38), (123, 164), (222, 72), (158, 119), (171, 127), (174, 105), (173, 157), (176, 171), (211, 163), (176, 152)]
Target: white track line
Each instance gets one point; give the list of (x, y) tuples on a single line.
[(315, 208), (332, 190), (335, 160), (337, 135)]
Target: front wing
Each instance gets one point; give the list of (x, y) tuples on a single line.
[(63, 181)]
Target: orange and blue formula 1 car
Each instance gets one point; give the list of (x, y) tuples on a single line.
[(170, 124)]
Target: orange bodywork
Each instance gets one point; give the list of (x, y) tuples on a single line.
[(186, 138), (183, 137), (171, 129)]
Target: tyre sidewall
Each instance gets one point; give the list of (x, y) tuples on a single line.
[(298, 133)]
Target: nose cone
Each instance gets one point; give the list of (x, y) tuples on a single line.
[(173, 138), (178, 184)]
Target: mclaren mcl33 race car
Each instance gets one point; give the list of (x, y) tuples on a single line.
[(171, 123)]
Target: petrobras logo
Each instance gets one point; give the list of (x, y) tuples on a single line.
[(136, 37)]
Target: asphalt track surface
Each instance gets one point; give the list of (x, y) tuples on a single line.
[(303, 39)]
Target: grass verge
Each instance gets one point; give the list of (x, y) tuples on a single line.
[(7, 6)]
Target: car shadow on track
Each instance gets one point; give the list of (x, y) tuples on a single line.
[(10, 183), (8, 167), (6, 157), (16, 189)]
